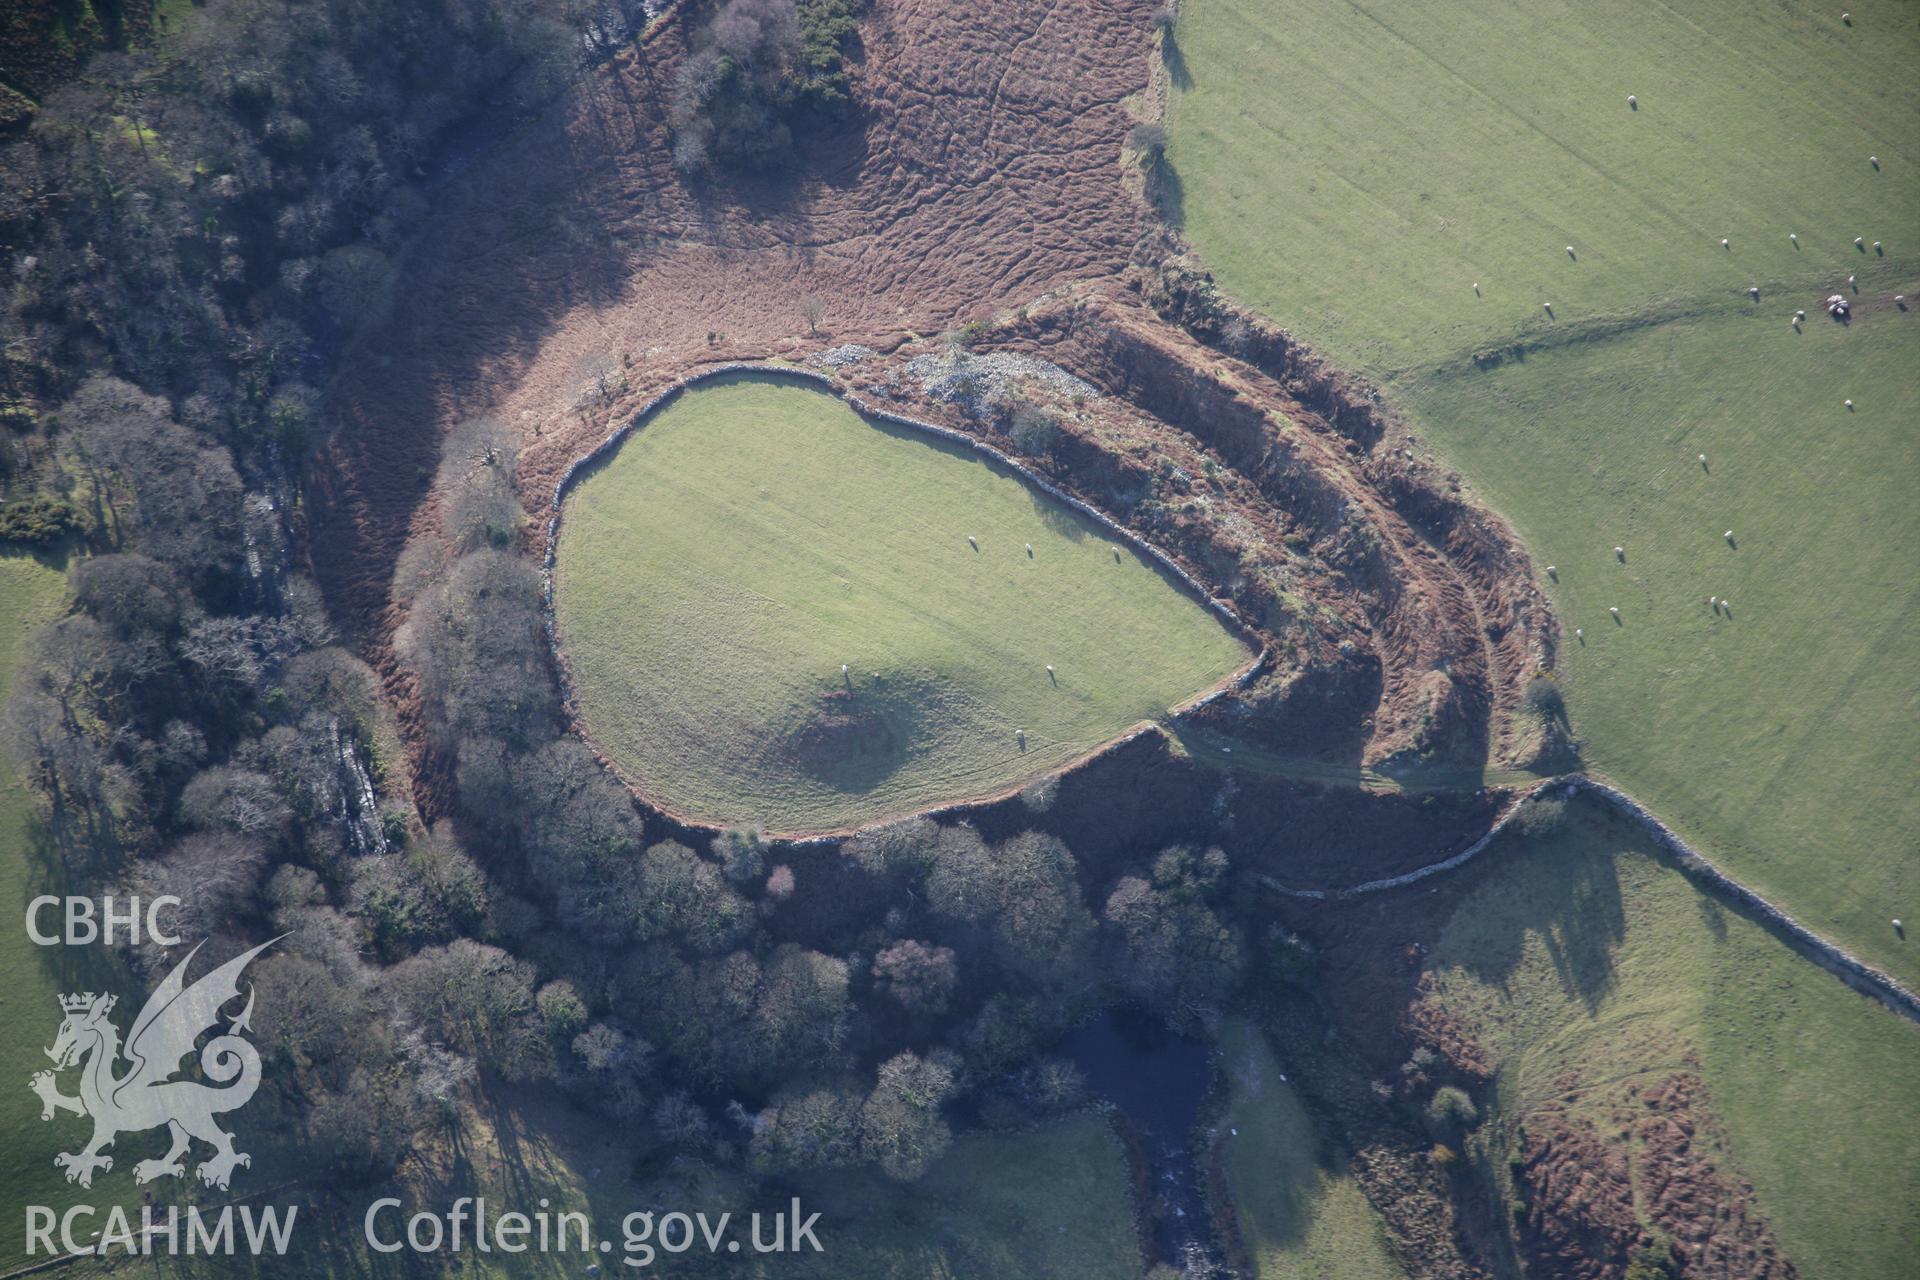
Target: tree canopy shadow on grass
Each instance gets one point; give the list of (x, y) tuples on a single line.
[(1176, 61), (1572, 902), (1167, 193)]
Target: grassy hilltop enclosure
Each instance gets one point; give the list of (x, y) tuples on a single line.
[(739, 550), (1408, 187)]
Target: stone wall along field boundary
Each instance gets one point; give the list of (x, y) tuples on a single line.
[(1690, 862)]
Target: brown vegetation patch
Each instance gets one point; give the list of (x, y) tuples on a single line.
[(573, 273), (841, 731), (1653, 1185)]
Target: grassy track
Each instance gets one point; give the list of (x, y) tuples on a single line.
[(716, 574), (1579, 950), (1301, 1214), (1354, 170)]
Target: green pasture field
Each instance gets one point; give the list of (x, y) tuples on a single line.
[(1354, 170), (1578, 950), (741, 547), (1301, 1213), (1052, 1202)]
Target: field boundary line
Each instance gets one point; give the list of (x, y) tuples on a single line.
[(1700, 870)]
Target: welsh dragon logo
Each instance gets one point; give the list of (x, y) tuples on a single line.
[(145, 1096)]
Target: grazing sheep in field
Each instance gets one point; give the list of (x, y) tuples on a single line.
[(1900, 301), (1876, 246), (1619, 553), (1753, 291), (1796, 239), (1703, 462), (1726, 607), (1476, 288), (1547, 307), (1847, 18), (1798, 316), (1849, 406), (1029, 551), (1633, 102), (1579, 634), (1724, 244), (973, 542), (1614, 610), (1570, 251), (1728, 535), (1713, 601), (1898, 925), (1553, 571), (1853, 284), (1874, 161), (1859, 242)]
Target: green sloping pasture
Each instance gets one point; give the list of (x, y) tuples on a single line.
[(1049, 1203), (1780, 735), (714, 576), (1353, 170), (33, 590), (31, 593), (1301, 1213), (1578, 949)]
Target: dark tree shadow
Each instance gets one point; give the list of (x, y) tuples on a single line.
[(1176, 61)]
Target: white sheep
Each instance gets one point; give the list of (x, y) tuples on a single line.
[(1858, 241), (1724, 244), (1049, 668), (973, 542), (1847, 18), (1713, 601), (1899, 299), (1791, 236), (1898, 925), (1632, 101), (1728, 535), (1476, 288), (1547, 307), (1569, 251), (1579, 634), (1553, 571), (1029, 548), (1849, 404), (1753, 290), (1876, 246), (1619, 553), (1850, 282), (1874, 161), (1726, 607), (1798, 316), (843, 669), (1613, 610), (1703, 459)]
